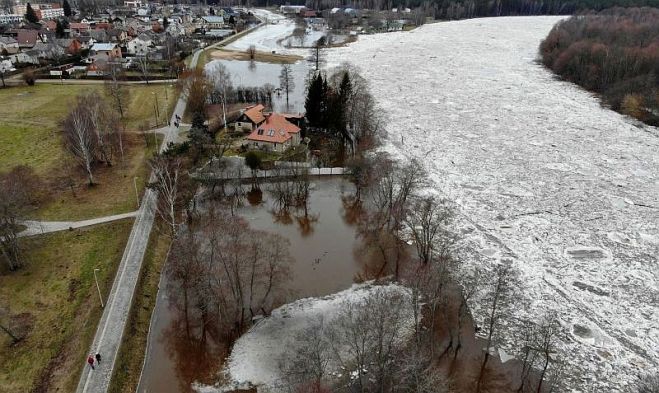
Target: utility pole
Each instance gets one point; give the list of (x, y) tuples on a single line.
[(99, 288)]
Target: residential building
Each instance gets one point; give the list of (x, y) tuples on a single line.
[(139, 45), (212, 22), (111, 50), (251, 118), (79, 27), (275, 134), (10, 19), (44, 11), (72, 46), (27, 38), (8, 45)]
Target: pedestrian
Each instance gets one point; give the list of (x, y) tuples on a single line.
[(90, 360), (98, 358)]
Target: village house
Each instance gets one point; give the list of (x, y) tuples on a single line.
[(71, 45), (251, 118), (110, 50), (212, 22), (140, 45), (27, 38), (8, 45), (275, 134), (78, 28)]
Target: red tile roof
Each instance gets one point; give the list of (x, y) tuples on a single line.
[(275, 129), (27, 37), (255, 113)]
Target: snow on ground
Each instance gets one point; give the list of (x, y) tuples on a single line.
[(544, 177), (256, 355)]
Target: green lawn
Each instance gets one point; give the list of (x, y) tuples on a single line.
[(29, 135), (56, 291)]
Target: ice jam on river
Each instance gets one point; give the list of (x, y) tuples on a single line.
[(544, 177)]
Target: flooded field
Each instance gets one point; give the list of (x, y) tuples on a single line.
[(326, 261), (257, 74)]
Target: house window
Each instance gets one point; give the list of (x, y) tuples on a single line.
[(271, 133), (260, 131)]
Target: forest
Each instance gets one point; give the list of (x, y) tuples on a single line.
[(460, 9), (614, 53)]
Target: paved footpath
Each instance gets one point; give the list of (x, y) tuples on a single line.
[(110, 331), (40, 227)]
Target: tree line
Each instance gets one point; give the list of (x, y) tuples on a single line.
[(460, 9), (614, 53)]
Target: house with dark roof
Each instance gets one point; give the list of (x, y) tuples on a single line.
[(275, 134), (27, 38), (251, 118)]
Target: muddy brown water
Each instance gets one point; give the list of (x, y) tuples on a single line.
[(326, 261)]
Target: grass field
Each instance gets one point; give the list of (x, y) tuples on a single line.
[(29, 135), (29, 131), (56, 292), (128, 366)]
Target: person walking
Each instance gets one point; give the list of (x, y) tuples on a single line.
[(98, 358), (90, 360)]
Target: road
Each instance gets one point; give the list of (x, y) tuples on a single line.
[(110, 331)]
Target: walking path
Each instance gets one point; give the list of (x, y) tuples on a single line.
[(41, 227), (110, 331)]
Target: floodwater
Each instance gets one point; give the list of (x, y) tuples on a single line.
[(257, 74), (325, 249)]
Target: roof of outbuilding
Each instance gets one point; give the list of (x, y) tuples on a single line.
[(255, 113)]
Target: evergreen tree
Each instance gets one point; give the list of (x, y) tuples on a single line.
[(60, 28), (30, 15), (345, 94), (199, 136), (314, 101), (67, 8)]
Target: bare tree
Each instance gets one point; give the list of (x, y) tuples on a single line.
[(115, 89), (308, 363), (428, 219), (167, 184), (105, 126), (196, 88), (299, 32), (498, 299), (19, 190), (286, 82), (251, 52), (220, 79), (80, 140), (367, 338), (545, 345), (316, 52), (143, 66)]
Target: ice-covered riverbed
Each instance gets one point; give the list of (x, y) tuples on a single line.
[(543, 175)]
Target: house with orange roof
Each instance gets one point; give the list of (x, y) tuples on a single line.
[(251, 118), (274, 134)]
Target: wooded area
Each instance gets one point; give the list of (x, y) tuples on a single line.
[(459, 9), (614, 53)]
